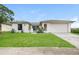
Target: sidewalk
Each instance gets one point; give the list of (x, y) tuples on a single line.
[(39, 51)]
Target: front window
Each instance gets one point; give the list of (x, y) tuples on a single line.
[(19, 26)]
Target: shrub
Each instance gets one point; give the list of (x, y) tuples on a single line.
[(75, 30), (40, 30), (22, 31), (12, 31)]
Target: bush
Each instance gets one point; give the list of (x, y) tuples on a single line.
[(75, 30), (40, 30), (12, 31), (22, 31)]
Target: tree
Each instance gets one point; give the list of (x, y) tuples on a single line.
[(6, 15)]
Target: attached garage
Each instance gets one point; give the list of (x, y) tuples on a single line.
[(57, 25), (57, 28)]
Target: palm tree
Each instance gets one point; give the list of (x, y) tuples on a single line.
[(5, 15)]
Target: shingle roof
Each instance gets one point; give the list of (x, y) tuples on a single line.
[(20, 22), (35, 23), (57, 21), (38, 23)]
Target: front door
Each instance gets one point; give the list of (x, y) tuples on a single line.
[(19, 26), (35, 28)]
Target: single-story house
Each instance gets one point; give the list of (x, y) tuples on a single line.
[(47, 25)]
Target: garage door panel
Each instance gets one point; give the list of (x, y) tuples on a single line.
[(57, 27)]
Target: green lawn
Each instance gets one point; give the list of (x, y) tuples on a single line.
[(32, 40)]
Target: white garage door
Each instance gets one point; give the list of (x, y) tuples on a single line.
[(57, 28)]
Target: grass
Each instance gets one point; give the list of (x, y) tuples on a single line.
[(32, 40)]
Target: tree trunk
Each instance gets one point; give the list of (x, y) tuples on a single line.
[(0, 28)]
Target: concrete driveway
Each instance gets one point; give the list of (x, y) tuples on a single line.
[(72, 38)]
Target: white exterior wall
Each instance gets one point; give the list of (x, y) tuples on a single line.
[(24, 28), (57, 27), (15, 27), (5, 27), (50, 27), (69, 27)]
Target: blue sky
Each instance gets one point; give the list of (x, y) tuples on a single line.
[(38, 12)]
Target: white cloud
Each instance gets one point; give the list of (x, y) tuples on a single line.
[(76, 23), (74, 19)]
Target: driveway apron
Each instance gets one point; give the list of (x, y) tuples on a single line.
[(71, 38)]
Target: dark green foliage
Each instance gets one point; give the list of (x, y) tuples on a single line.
[(40, 30), (6, 15), (75, 30)]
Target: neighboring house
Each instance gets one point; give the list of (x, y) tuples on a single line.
[(47, 26)]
